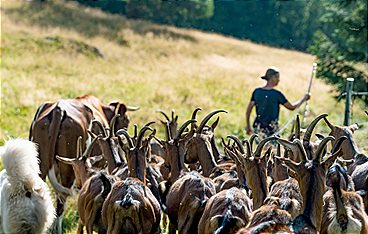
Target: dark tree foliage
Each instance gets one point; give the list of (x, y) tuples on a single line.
[(341, 44), (171, 12)]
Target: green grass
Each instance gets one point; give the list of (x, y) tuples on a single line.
[(146, 65)]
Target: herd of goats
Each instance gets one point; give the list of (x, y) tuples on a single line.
[(134, 183)]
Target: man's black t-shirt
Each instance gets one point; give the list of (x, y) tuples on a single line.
[(267, 103)]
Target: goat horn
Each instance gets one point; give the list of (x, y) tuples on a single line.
[(308, 132), (288, 145), (322, 146), (297, 127), (168, 132), (338, 144), (251, 140), (126, 135), (194, 116), (172, 114), (183, 127), (238, 143), (164, 114), (249, 147), (101, 126), (329, 124), (88, 151), (149, 123), (79, 146), (267, 154), (207, 118), (278, 152), (135, 131), (258, 151), (112, 125), (301, 149), (140, 135)]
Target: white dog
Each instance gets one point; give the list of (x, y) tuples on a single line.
[(25, 202)]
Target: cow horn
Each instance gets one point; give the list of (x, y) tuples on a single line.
[(183, 127), (258, 151), (308, 132), (126, 135), (238, 143), (207, 118), (164, 114), (322, 146), (329, 124), (133, 108), (112, 125), (140, 135)]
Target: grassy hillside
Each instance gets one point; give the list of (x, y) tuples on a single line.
[(46, 55)]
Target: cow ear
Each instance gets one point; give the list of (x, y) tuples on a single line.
[(353, 127), (119, 108)]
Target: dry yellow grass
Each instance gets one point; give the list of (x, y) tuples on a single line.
[(146, 65)]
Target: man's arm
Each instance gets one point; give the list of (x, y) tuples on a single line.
[(293, 106), (247, 116)]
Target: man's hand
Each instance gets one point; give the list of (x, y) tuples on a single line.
[(307, 96), (248, 130)]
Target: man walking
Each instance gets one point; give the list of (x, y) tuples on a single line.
[(267, 101)]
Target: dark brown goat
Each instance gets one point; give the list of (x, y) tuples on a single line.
[(343, 211), (186, 200), (226, 212), (131, 207)]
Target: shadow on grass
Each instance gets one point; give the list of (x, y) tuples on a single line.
[(71, 16)]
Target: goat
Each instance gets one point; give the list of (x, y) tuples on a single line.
[(226, 212), (310, 172), (343, 211), (359, 168), (26, 205), (131, 207), (186, 200), (95, 186), (199, 147)]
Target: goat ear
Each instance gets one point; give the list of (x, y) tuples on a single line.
[(331, 159), (65, 160), (214, 124), (93, 160), (290, 164)]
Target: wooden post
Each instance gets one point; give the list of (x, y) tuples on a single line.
[(349, 92)]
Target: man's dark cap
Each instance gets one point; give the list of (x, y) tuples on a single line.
[(271, 71)]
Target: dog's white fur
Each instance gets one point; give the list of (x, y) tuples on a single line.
[(26, 205)]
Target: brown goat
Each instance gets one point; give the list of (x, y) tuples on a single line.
[(199, 147), (310, 172), (343, 212), (226, 212), (94, 189), (186, 200), (131, 207)]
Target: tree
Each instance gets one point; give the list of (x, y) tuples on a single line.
[(172, 12), (341, 44)]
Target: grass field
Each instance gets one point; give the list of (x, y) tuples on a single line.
[(46, 55)]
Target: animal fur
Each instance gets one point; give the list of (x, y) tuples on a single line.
[(26, 205)]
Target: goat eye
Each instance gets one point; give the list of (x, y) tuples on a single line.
[(28, 194)]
